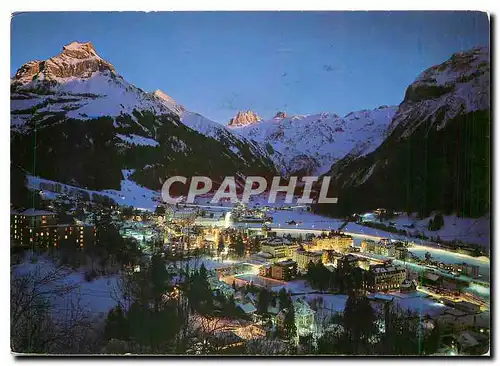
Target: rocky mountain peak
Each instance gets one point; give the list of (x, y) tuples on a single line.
[(280, 115), (169, 102), (80, 49), (244, 118), (77, 59)]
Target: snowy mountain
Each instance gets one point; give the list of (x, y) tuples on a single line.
[(87, 123), (436, 156), (439, 94), (311, 144)]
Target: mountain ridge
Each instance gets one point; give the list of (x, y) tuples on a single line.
[(91, 123)]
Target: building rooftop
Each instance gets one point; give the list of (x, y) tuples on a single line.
[(247, 308), (350, 258), (386, 269), (277, 242), (265, 255), (310, 254), (454, 312), (467, 340), (432, 276), (383, 297), (288, 262), (35, 212)]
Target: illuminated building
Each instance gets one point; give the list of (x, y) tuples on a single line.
[(331, 256), (337, 241), (350, 261), (385, 277), (304, 257), (265, 270), (383, 247), (284, 271), (279, 248), (401, 253), (39, 228)]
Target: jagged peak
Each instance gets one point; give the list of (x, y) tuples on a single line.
[(280, 115), (79, 47), (77, 59), (244, 118)]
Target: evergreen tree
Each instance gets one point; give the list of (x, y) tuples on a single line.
[(160, 211), (289, 328), (159, 279), (359, 324), (438, 221), (239, 246), (220, 245), (283, 299), (116, 325), (263, 301)]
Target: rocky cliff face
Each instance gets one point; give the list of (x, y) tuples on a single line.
[(77, 60), (280, 115), (244, 119)]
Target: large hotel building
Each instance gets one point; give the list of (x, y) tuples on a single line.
[(39, 229)]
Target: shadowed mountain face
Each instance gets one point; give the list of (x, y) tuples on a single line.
[(437, 154)]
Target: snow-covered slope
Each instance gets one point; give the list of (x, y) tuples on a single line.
[(234, 141), (458, 86), (311, 144), (464, 229)]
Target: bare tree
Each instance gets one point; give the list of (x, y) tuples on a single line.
[(202, 331), (266, 346), (38, 325)]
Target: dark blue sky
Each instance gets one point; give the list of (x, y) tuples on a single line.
[(217, 63)]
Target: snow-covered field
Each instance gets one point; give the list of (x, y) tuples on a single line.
[(295, 287), (330, 304), (418, 302), (469, 230)]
